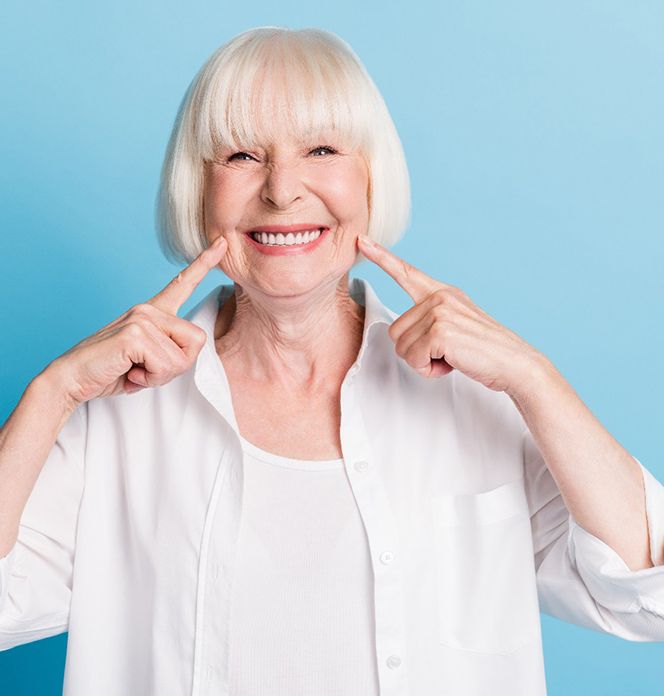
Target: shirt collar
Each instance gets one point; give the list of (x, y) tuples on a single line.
[(209, 373)]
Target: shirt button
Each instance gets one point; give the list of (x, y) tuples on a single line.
[(386, 557), (393, 661), (362, 465)]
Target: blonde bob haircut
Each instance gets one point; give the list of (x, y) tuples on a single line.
[(311, 78)]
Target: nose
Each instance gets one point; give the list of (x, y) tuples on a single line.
[(283, 186)]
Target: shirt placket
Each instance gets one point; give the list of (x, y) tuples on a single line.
[(383, 541), (219, 544)]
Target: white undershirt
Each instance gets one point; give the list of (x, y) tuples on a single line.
[(302, 620)]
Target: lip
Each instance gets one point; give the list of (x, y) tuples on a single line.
[(284, 229), (287, 250)]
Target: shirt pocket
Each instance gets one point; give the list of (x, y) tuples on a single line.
[(487, 588)]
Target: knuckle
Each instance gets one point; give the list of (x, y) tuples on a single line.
[(159, 370), (201, 337), (142, 308), (450, 293), (133, 330), (177, 280), (445, 295), (441, 312), (179, 363), (457, 292), (406, 268), (143, 324)]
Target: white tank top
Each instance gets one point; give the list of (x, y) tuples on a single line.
[(302, 620)]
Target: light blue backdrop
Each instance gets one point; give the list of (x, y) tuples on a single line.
[(534, 138)]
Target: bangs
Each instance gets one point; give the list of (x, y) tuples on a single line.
[(270, 88)]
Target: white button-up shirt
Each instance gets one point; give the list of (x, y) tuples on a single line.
[(128, 540)]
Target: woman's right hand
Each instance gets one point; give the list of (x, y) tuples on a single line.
[(147, 346)]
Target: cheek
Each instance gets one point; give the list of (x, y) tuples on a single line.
[(347, 195), (222, 199)]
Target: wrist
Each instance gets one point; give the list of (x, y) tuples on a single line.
[(52, 384), (535, 375)]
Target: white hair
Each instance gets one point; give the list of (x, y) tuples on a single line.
[(319, 84)]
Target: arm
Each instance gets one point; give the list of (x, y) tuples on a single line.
[(40, 498), (600, 482), (26, 438), (581, 578)]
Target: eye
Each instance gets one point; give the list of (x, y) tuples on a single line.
[(236, 154), (325, 147), (320, 147)]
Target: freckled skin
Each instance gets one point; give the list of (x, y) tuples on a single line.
[(291, 322)]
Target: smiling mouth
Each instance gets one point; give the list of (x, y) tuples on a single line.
[(289, 239)]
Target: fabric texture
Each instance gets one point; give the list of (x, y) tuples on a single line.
[(130, 537), (301, 617)]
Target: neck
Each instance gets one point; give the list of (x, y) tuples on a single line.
[(303, 341)]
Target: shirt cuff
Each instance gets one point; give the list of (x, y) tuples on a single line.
[(604, 572), (6, 567)]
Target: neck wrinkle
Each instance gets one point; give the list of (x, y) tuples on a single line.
[(307, 354)]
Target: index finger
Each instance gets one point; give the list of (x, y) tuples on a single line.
[(178, 291), (414, 281)]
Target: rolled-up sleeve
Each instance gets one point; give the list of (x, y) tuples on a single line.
[(36, 574), (581, 579), (606, 574), (6, 568)]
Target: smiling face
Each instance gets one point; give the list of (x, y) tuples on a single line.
[(287, 183)]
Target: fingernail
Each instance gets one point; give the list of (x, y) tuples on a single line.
[(366, 240), (218, 240)]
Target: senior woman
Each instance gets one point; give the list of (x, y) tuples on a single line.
[(309, 493)]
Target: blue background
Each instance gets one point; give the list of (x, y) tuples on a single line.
[(534, 138)]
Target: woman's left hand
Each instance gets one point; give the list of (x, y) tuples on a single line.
[(446, 330)]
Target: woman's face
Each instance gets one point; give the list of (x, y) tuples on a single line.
[(283, 185)]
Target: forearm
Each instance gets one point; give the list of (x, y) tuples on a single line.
[(26, 439), (600, 482)]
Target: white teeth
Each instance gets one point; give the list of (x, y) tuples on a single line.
[(289, 240)]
